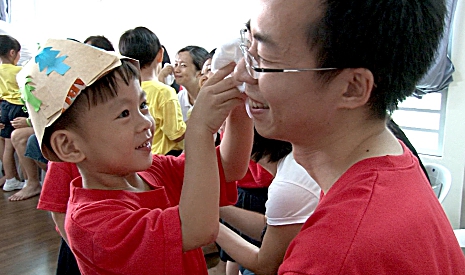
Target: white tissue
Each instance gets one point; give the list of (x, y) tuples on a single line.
[(226, 53), (169, 79)]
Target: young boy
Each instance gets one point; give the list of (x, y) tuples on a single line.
[(87, 108)]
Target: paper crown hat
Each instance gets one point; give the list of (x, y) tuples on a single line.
[(52, 79)]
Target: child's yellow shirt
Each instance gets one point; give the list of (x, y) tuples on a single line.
[(9, 89)]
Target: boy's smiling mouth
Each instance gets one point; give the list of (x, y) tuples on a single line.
[(146, 144)]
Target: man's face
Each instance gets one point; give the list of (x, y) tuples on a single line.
[(287, 106)]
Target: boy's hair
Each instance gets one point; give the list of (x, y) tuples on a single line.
[(198, 54), (100, 41), (395, 40), (8, 43), (99, 92), (141, 44), (52, 82), (271, 148)]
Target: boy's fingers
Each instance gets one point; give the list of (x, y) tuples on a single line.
[(221, 74), (221, 86)]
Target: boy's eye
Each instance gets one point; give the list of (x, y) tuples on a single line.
[(143, 105), (125, 113)]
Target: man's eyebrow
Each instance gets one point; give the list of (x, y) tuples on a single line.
[(264, 39), (260, 37)]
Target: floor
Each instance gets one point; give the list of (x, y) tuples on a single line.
[(28, 241)]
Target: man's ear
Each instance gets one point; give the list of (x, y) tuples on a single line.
[(64, 144), (360, 82)]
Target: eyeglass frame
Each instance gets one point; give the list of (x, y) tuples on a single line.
[(253, 70)]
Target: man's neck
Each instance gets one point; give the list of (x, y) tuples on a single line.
[(328, 160)]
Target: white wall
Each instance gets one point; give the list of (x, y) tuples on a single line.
[(177, 23)]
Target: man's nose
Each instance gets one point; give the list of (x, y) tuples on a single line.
[(241, 74)]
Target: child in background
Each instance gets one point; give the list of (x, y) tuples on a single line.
[(2, 149), (142, 44), (29, 167), (100, 42), (11, 106), (120, 221)]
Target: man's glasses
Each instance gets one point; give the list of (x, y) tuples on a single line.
[(252, 65)]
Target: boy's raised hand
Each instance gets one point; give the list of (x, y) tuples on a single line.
[(216, 99)]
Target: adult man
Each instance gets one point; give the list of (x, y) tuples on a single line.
[(323, 75)]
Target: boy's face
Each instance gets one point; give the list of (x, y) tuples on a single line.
[(116, 136)]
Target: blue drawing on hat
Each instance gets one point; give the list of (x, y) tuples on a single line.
[(47, 58)]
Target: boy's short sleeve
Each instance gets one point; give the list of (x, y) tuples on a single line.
[(228, 190), (171, 170), (56, 187)]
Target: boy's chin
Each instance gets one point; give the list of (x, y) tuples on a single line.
[(148, 163)]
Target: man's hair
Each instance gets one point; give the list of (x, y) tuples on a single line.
[(100, 41), (395, 40), (271, 148), (141, 44), (99, 92), (198, 54), (8, 43)]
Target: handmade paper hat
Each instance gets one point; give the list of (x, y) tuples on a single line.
[(51, 81)]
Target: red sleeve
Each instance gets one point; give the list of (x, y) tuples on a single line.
[(168, 171), (256, 177), (228, 190), (55, 190), (262, 177)]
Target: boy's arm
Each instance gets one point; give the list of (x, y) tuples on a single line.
[(59, 219), (263, 260), (198, 206), (236, 145), (248, 222)]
